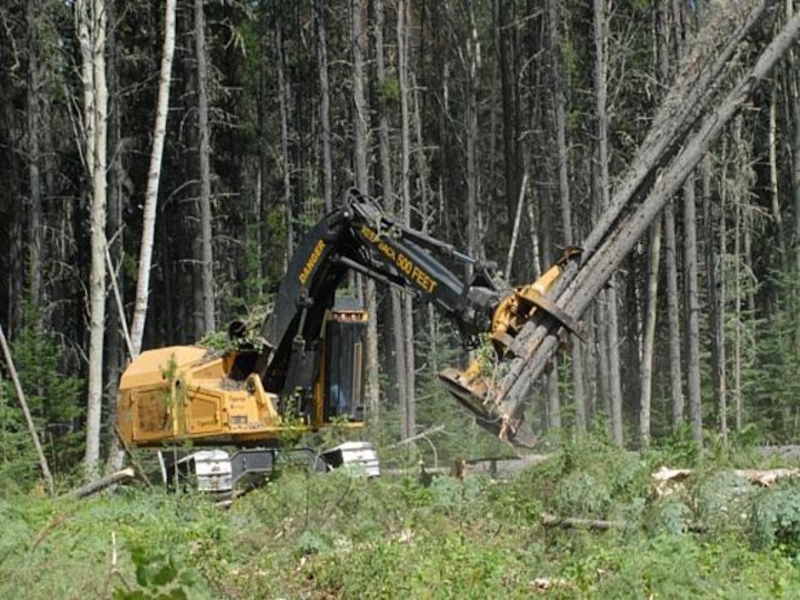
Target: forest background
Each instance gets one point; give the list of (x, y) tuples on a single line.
[(462, 118)]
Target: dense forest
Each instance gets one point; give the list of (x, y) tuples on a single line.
[(163, 159)]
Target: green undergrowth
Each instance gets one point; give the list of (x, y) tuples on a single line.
[(339, 536)]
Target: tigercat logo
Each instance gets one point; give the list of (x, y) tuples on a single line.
[(312, 261)]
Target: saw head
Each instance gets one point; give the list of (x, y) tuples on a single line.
[(473, 392)]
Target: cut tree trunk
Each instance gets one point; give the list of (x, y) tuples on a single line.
[(100, 484), (666, 158), (549, 520)]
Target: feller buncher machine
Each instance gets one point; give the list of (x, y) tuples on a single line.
[(305, 370)]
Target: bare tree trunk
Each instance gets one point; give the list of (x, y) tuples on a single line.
[(715, 290), (603, 186), (671, 257), (283, 102), (361, 146), (692, 311), (14, 279), (409, 403), (34, 173), (92, 39), (204, 133), (153, 177), (117, 326), (505, 39), (649, 333), (559, 103), (473, 173), (794, 100), (389, 204), (577, 288), (325, 103), (673, 315)]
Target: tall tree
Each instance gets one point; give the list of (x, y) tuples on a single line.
[(361, 148), (691, 291), (559, 104), (153, 178), (91, 20), (204, 152), (397, 350), (321, 13), (608, 299), (34, 156), (409, 403)]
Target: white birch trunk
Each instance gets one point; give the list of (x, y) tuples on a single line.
[(153, 177)]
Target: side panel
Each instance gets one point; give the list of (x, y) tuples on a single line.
[(153, 414)]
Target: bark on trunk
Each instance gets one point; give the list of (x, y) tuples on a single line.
[(204, 152), (577, 288), (715, 291), (325, 103), (286, 163), (34, 157), (603, 187), (692, 311), (92, 40), (361, 145), (397, 331), (408, 418), (153, 178), (648, 344), (559, 102)]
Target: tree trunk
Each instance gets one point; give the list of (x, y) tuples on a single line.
[(361, 146), (473, 173), (505, 37), (92, 34), (692, 311), (153, 178), (408, 419), (396, 330), (115, 353), (603, 187), (715, 290), (286, 163), (324, 103), (559, 103), (34, 174), (648, 343), (794, 100), (577, 288), (204, 151)]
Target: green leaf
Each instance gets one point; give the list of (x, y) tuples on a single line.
[(165, 575)]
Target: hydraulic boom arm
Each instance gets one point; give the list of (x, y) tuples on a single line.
[(358, 236)]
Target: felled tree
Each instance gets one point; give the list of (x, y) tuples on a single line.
[(685, 127)]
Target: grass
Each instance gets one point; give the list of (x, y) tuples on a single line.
[(332, 536)]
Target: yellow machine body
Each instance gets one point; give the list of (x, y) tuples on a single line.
[(190, 394), (179, 394)]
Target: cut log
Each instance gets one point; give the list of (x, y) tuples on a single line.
[(100, 484), (760, 477), (656, 175), (549, 520)]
